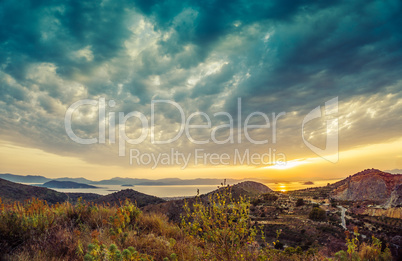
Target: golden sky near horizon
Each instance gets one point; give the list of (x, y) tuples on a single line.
[(29, 161)]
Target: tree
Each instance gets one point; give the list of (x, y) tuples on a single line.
[(317, 214)]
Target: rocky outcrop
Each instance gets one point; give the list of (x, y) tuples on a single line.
[(395, 200), (370, 184)]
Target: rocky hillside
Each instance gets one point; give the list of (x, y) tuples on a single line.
[(370, 184), (395, 200)]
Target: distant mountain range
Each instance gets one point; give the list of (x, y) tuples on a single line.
[(35, 179), (119, 181), (394, 171), (24, 179)]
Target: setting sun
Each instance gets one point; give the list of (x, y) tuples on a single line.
[(282, 188)]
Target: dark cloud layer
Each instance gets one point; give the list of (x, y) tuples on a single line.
[(276, 55)]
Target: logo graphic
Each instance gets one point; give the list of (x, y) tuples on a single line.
[(331, 152), (112, 126)]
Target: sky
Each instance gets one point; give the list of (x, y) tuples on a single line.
[(279, 90)]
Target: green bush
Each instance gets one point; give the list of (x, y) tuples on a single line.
[(222, 225), (317, 214), (363, 252)]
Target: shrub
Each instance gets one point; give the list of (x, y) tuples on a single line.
[(292, 250), (363, 252), (98, 251), (299, 202), (317, 214), (21, 222), (222, 225), (270, 197)]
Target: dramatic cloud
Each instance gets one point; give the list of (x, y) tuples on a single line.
[(277, 56)]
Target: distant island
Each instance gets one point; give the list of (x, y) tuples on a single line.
[(66, 185), (127, 185)]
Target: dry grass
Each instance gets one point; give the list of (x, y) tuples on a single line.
[(37, 231)]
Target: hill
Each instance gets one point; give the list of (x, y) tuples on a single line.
[(134, 196), (78, 180), (173, 209), (10, 191), (66, 185), (370, 184), (252, 188)]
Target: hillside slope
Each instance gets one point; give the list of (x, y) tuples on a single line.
[(10, 191), (134, 196), (173, 209), (370, 184)]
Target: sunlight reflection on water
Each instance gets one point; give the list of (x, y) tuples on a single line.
[(190, 190)]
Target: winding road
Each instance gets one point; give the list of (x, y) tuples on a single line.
[(343, 210)]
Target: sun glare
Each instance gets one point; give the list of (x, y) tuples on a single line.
[(282, 188), (288, 164)]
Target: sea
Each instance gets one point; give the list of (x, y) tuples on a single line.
[(167, 191)]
